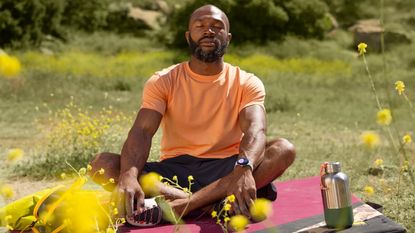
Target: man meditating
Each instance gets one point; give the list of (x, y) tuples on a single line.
[(213, 123)]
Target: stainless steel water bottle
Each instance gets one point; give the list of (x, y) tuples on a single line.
[(338, 211)]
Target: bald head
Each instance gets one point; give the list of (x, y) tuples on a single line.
[(210, 11)]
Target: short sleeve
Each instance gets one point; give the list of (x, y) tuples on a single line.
[(155, 94), (253, 92)]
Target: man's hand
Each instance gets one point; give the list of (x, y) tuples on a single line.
[(242, 185), (127, 189)]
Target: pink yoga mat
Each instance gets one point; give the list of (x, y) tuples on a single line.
[(297, 199)]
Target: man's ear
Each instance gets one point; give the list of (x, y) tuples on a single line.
[(187, 35), (229, 37)]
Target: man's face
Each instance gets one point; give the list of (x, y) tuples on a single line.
[(208, 35)]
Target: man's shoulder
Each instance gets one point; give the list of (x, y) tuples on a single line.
[(244, 76), (169, 71)]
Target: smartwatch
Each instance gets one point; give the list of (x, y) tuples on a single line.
[(244, 162)]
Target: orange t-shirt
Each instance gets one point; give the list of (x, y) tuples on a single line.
[(200, 113)]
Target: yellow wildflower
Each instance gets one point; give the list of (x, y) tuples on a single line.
[(149, 182), (260, 209), (8, 218), (115, 211), (362, 48), (378, 162), (89, 167), (14, 154), (122, 220), (9, 66), (111, 180), (369, 190), (6, 191), (63, 175), (82, 171), (384, 117), (370, 139), (406, 138), (231, 198), (214, 214), (190, 178), (405, 166), (174, 178), (101, 171), (227, 207), (400, 87), (226, 219), (238, 222), (185, 190)]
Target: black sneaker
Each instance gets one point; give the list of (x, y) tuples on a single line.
[(269, 192)]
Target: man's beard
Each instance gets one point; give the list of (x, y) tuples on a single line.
[(209, 56)]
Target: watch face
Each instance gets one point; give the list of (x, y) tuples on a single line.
[(243, 161)]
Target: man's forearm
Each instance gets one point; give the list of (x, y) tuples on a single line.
[(135, 152), (253, 144)]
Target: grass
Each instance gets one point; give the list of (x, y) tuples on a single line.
[(318, 96)]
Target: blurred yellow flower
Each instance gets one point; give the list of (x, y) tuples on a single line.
[(174, 178), (260, 209), (110, 230), (89, 167), (149, 183), (370, 139), (405, 166), (406, 138), (9, 66), (384, 117), (190, 178), (63, 175), (15, 154), (400, 87), (214, 214), (378, 162), (227, 207), (369, 190), (231, 198), (362, 48), (226, 219), (82, 171), (238, 222), (6, 191), (101, 171), (111, 180), (115, 211)]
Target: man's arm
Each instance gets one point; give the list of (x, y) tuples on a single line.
[(134, 155), (253, 125)]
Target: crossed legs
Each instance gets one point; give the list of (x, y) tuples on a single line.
[(279, 155)]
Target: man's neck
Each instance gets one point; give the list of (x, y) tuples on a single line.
[(206, 68)]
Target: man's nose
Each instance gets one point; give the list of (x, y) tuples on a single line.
[(209, 31)]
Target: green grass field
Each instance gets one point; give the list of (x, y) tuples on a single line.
[(83, 98)]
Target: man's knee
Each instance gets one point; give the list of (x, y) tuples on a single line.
[(105, 160), (283, 148)]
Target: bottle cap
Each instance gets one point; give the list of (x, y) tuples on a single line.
[(333, 167)]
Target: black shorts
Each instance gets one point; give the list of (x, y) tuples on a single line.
[(204, 171)]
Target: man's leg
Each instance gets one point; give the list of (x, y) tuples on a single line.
[(110, 162), (279, 155)]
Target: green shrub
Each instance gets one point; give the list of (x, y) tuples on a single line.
[(85, 15), (119, 21), (26, 22), (257, 21)]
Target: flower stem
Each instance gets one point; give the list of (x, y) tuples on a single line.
[(372, 83)]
